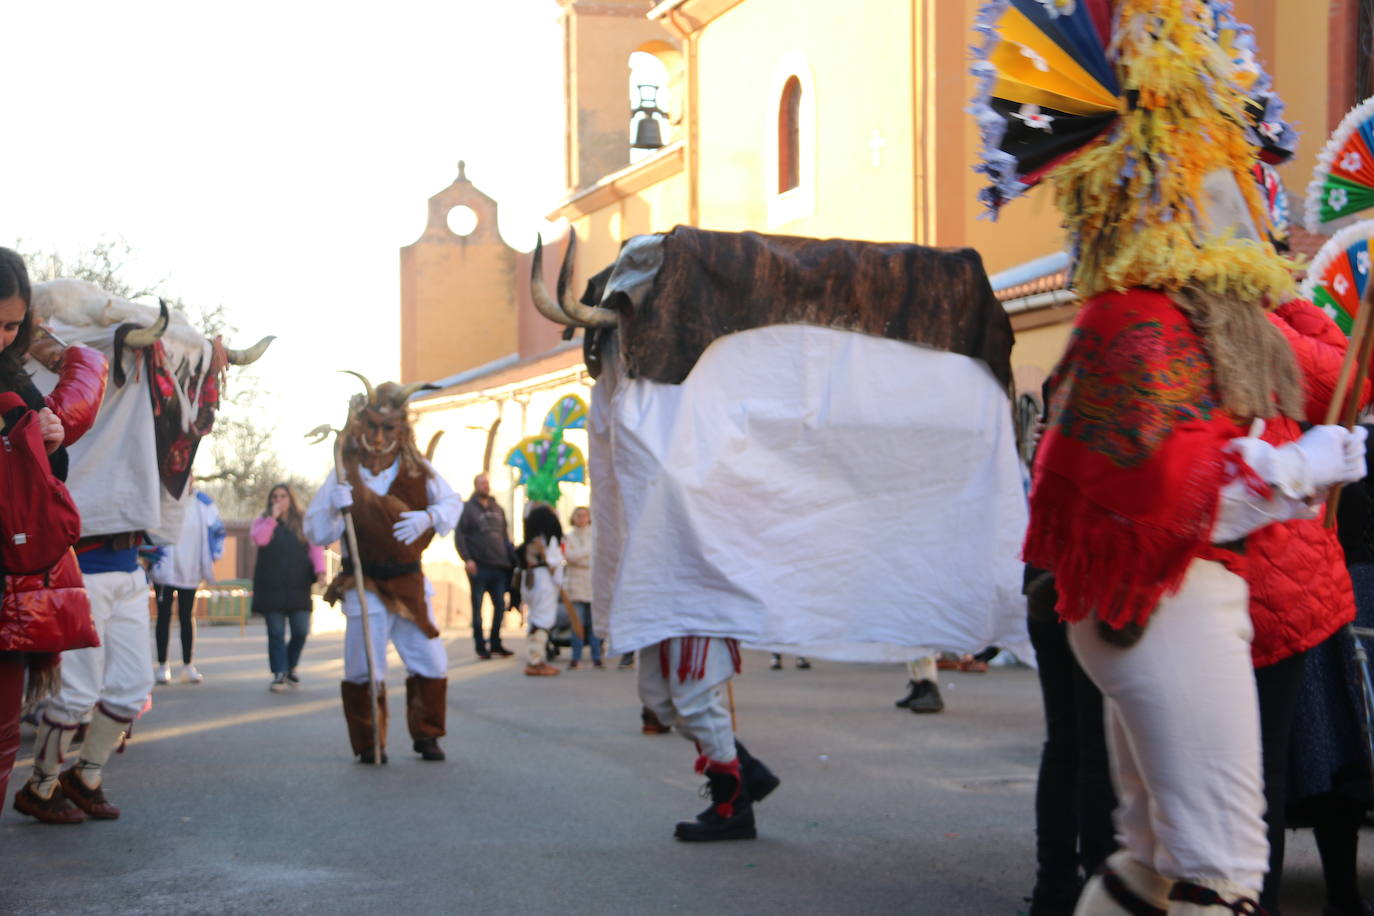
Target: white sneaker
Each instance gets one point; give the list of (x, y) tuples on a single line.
[(190, 675), (163, 674), (278, 684)]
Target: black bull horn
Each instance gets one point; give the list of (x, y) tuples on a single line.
[(565, 309), (146, 337)]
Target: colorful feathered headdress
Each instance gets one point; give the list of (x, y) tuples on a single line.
[(545, 460), (1136, 110)]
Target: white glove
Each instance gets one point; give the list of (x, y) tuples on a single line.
[(412, 525), (1242, 512), (341, 497), (1331, 455)]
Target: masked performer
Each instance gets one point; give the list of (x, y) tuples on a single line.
[(398, 503), (1146, 483), (542, 565)]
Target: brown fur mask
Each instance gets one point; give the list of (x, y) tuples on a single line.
[(379, 430)]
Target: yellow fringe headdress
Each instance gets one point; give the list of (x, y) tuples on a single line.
[(1134, 200)]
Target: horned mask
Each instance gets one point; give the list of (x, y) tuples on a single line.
[(379, 430)]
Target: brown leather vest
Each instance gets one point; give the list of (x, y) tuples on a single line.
[(391, 570)]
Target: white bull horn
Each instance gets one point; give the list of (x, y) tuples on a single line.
[(539, 293), (582, 314), (146, 337), (251, 355)]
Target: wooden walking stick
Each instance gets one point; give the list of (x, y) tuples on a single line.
[(351, 539), (1345, 403)]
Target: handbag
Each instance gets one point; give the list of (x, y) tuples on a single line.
[(38, 519), (48, 611)]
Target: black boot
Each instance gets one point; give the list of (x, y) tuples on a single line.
[(758, 779), (905, 702), (925, 697), (731, 815)]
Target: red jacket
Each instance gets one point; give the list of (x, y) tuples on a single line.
[(50, 611), (1299, 589)]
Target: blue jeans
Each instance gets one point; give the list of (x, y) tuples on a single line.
[(281, 657), (493, 581), (584, 610)]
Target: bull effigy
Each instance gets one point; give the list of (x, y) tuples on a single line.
[(799, 445), (128, 478), (397, 503)]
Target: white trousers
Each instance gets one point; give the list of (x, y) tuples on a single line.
[(119, 671), (420, 654), (923, 669), (696, 705), (1183, 732)]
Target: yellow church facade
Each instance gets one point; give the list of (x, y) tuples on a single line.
[(796, 117)]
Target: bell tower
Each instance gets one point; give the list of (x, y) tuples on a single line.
[(598, 38), (458, 306)]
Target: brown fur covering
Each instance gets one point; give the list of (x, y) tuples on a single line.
[(717, 283), (1256, 371), (356, 701), (373, 518), (426, 706), (379, 432)]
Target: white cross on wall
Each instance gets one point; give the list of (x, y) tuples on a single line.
[(876, 145)]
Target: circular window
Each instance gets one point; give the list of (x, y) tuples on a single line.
[(462, 220)]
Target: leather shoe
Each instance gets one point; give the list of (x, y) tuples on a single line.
[(92, 801), (543, 669), (501, 651), (55, 809), (925, 697), (428, 749)]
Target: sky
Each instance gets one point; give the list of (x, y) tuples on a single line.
[(274, 157)]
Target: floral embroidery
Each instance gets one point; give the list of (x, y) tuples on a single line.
[(1123, 397), (1057, 8), (1337, 199), (1352, 162), (1034, 117), (1035, 57)]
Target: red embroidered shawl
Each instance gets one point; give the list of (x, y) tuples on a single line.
[(1128, 474)]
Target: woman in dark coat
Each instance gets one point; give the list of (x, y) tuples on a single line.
[(287, 566), (1330, 785)]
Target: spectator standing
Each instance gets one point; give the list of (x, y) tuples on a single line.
[(286, 567), (577, 552), (178, 573), (483, 541), (42, 607)]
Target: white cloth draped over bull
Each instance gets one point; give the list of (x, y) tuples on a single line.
[(804, 488), (116, 476)]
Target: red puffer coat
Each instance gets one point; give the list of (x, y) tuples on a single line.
[(1299, 589), (40, 609)]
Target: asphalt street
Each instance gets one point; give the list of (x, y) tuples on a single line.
[(240, 801)]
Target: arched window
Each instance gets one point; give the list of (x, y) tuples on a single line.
[(788, 140), (789, 136)]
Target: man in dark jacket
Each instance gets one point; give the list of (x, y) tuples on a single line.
[(483, 542)]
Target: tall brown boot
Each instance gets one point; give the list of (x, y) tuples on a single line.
[(426, 708), (356, 703)]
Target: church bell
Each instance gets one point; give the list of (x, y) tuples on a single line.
[(648, 131)]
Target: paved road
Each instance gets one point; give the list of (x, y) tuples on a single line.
[(237, 800)]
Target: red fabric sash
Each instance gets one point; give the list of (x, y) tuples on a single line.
[(1128, 475)]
